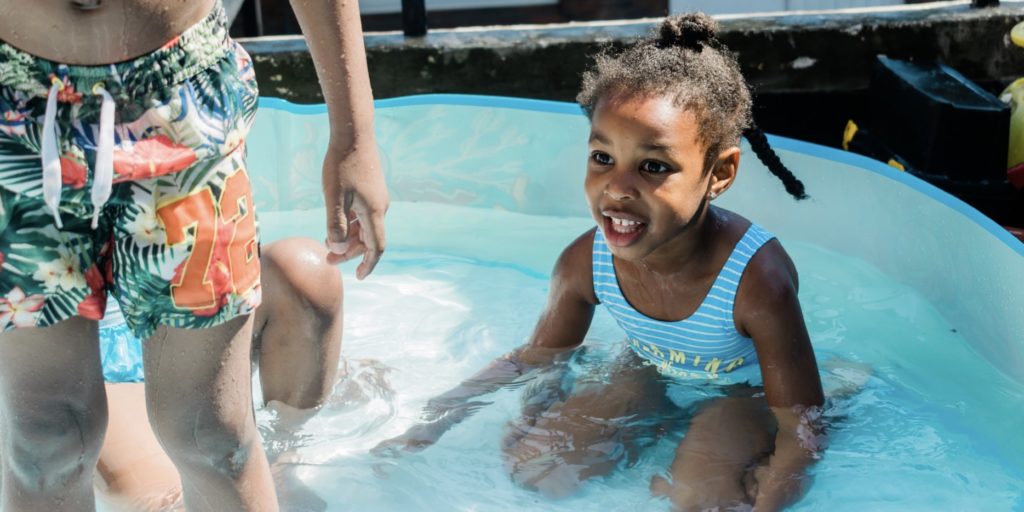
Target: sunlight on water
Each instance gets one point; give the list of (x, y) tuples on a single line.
[(932, 427)]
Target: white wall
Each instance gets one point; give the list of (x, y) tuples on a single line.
[(739, 6), (392, 6)]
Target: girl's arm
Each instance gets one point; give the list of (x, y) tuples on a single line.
[(561, 327), (768, 311)]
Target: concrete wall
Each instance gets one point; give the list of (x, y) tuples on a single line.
[(820, 53), (810, 72), (734, 6)]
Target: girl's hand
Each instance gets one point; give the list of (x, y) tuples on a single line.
[(426, 432), (356, 199)]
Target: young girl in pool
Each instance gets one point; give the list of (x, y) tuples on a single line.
[(703, 294)]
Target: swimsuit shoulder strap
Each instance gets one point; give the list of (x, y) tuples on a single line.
[(728, 279), (605, 282)]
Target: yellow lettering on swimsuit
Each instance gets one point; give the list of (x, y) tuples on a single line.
[(653, 349), (712, 367), (677, 357), (696, 361), (735, 362)]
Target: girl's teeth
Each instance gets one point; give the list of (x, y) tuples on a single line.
[(624, 225)]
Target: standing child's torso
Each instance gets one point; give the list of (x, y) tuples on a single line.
[(113, 31), (704, 344)]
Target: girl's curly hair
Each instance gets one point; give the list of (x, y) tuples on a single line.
[(686, 60)]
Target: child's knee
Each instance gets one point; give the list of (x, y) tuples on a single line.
[(206, 440), (218, 434), (547, 458), (540, 468), (553, 480), (54, 443), (711, 494), (298, 269)]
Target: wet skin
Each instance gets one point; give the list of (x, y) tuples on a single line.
[(646, 167), (119, 30), (297, 342), (649, 189), (649, 184), (115, 31), (214, 380)]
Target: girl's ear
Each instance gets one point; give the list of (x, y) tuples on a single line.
[(723, 173)]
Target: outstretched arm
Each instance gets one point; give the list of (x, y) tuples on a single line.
[(770, 313), (353, 182), (452, 407), (562, 326)]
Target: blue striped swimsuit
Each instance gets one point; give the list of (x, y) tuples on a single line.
[(704, 345)]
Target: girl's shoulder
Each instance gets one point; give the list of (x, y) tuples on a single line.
[(580, 249), (770, 257), (769, 280), (575, 266)]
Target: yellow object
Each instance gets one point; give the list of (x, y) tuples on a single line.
[(1014, 95), (1017, 34), (848, 133), (894, 163)]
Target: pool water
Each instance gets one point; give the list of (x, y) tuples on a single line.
[(934, 426)]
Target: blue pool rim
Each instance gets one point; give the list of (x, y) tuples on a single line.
[(797, 146)]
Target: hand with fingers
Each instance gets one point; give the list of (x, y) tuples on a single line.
[(437, 419), (356, 199)]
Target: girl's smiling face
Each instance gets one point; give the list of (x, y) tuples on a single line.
[(646, 182)]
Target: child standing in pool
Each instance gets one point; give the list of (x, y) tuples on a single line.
[(296, 343), (122, 170), (702, 293)]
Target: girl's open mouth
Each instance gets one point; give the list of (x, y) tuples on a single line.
[(622, 230)]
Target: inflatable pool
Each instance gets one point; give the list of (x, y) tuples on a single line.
[(896, 275)]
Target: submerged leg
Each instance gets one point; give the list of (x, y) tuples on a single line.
[(133, 473), (298, 343), (726, 439), (199, 400), (299, 323), (588, 434), (53, 413)]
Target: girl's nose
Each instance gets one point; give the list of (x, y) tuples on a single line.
[(620, 186)]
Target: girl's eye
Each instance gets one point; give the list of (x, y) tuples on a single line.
[(654, 167), (601, 158)]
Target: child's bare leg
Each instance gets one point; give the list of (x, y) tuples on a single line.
[(725, 439), (54, 413), (585, 436), (199, 400), (298, 339), (133, 473), (299, 323)]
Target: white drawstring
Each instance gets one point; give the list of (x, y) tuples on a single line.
[(103, 177), (50, 154)]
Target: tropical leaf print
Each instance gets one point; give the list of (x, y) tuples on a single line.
[(173, 139)]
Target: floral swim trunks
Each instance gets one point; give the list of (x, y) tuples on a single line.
[(129, 178)]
